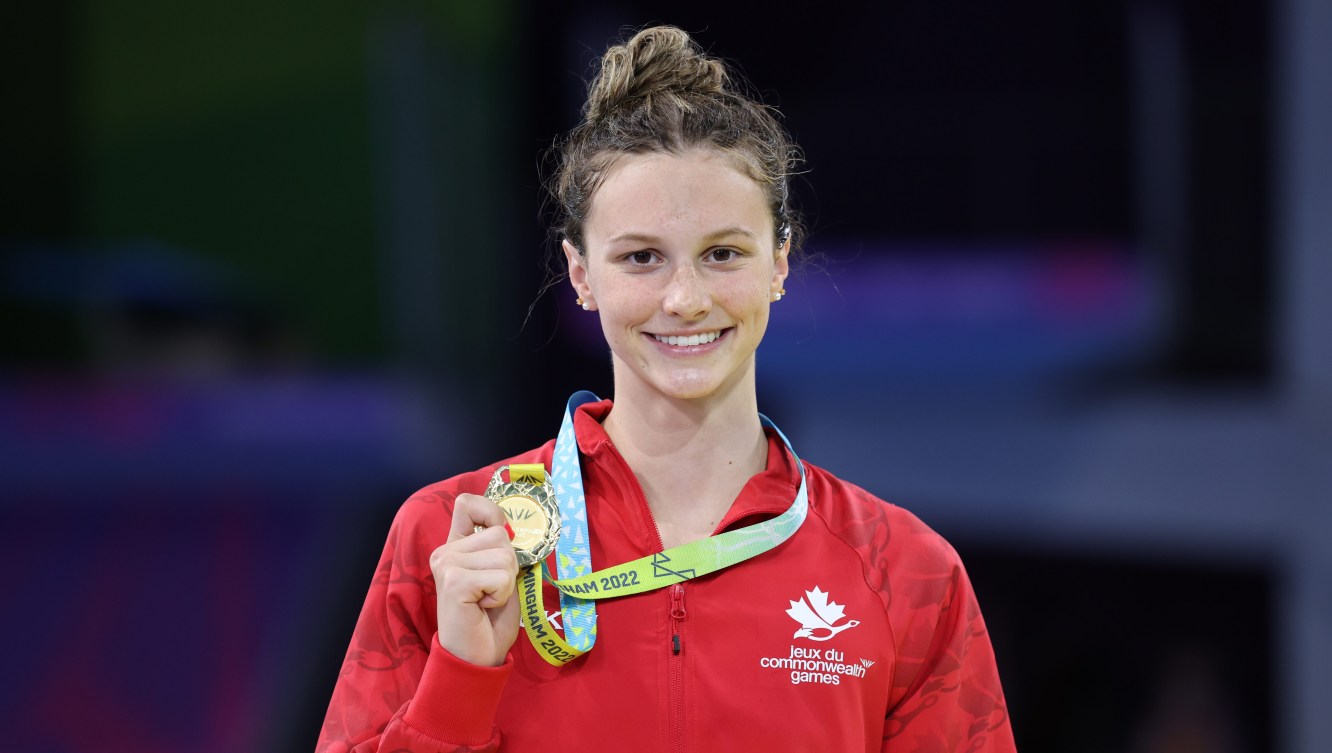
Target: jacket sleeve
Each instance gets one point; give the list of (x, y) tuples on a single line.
[(946, 695), (399, 689)]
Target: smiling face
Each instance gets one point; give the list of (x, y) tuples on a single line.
[(681, 263)]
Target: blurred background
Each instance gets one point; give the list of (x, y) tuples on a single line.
[(268, 268)]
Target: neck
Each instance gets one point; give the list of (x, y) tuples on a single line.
[(691, 457)]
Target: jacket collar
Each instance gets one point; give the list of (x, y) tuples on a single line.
[(767, 493)]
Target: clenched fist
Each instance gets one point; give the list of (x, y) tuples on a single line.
[(475, 577)]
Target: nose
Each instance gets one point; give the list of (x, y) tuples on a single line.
[(687, 295)]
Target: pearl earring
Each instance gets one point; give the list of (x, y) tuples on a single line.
[(586, 306), (778, 295)]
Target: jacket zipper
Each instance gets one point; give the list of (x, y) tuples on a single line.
[(677, 616), (676, 670), (675, 708)]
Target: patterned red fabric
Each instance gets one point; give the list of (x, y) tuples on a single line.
[(861, 632)]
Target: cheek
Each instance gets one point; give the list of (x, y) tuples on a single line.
[(624, 304), (744, 295)]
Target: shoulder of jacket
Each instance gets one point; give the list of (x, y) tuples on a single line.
[(886, 536)]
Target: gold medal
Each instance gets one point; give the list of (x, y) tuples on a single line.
[(529, 505)]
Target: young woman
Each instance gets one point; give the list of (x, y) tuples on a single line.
[(718, 593)]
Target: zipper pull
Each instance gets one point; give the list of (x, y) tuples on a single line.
[(677, 615), (677, 602)]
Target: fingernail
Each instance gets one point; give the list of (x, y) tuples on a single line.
[(509, 530)]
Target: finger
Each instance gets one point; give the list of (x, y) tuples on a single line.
[(491, 538), (485, 588), (470, 511), (507, 617), (486, 558), (488, 550), (506, 585)]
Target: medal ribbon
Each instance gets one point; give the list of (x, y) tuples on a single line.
[(579, 586)]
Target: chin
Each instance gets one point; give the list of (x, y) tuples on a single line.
[(690, 394), (675, 381), (686, 391), (693, 386)]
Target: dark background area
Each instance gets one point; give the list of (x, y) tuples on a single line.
[(264, 271)]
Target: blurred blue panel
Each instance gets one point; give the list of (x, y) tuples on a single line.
[(965, 313), (181, 554)]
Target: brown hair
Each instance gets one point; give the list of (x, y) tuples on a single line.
[(658, 92)]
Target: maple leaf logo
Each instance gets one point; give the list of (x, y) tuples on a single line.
[(818, 616)]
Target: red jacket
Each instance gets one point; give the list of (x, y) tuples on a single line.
[(859, 633)]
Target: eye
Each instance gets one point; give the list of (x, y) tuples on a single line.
[(723, 255), (639, 259)]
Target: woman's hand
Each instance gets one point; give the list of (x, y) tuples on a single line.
[(475, 579)]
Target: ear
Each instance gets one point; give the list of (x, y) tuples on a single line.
[(578, 274), (781, 267)]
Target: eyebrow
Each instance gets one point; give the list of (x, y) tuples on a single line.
[(710, 237)]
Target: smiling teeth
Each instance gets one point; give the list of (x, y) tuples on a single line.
[(702, 339)]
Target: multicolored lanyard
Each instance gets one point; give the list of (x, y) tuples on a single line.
[(580, 586)]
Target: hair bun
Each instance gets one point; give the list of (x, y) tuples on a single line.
[(659, 59), (658, 92)]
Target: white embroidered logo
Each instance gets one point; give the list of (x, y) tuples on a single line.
[(818, 616)]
